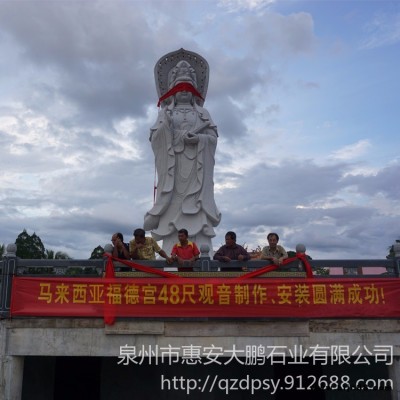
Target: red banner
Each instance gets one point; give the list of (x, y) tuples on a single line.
[(205, 297)]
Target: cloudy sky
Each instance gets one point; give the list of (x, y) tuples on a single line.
[(305, 95)]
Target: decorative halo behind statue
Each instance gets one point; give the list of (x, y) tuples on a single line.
[(167, 62)]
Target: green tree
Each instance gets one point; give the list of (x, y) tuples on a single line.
[(29, 246), (2, 249), (391, 250), (97, 253), (59, 255), (62, 255), (50, 254)]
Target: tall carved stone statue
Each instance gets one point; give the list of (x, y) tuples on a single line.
[(184, 140)]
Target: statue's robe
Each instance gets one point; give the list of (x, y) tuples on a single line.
[(185, 188)]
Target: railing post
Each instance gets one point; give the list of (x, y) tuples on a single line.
[(205, 264), (108, 248), (396, 259), (8, 270), (301, 249)]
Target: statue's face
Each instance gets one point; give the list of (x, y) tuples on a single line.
[(183, 97)]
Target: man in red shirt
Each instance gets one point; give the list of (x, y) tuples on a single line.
[(185, 251)]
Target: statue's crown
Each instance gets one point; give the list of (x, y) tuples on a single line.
[(182, 72)]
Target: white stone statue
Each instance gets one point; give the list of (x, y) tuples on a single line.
[(184, 140)]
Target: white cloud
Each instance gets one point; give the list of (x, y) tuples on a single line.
[(383, 30), (79, 99), (238, 5), (352, 151)]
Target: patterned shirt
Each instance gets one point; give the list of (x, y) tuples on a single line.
[(278, 252), (147, 252)]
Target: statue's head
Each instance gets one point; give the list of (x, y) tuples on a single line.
[(182, 72), (181, 66)]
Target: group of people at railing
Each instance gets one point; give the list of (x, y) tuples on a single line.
[(186, 252)]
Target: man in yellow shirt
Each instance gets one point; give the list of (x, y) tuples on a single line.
[(145, 248), (274, 252)]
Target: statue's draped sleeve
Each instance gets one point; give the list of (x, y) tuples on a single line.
[(161, 138)]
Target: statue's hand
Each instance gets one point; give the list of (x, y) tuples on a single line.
[(191, 138)]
